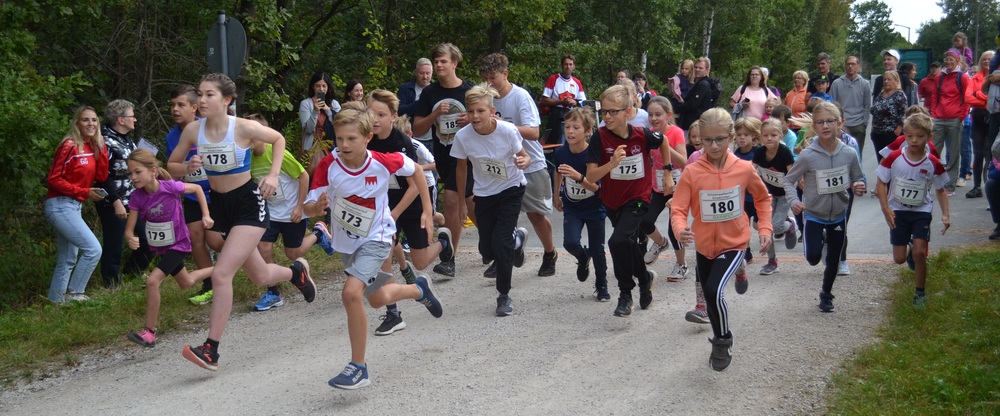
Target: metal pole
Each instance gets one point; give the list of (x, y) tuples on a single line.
[(222, 42)]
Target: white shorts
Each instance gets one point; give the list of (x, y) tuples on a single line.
[(538, 193)]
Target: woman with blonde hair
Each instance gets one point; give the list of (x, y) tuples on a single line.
[(797, 98), (887, 112)]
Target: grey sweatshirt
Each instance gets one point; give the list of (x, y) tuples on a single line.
[(817, 167)]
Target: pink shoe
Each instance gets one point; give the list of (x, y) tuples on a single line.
[(145, 338)]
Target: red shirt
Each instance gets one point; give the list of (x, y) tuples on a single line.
[(74, 171), (632, 179)]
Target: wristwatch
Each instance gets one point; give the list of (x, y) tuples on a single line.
[(668, 166)]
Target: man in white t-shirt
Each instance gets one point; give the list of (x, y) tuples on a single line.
[(516, 106), (562, 92)]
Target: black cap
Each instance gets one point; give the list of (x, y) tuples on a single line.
[(935, 64)]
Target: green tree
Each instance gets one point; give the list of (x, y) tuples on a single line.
[(871, 32)]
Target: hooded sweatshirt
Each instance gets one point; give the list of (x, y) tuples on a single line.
[(704, 187), (828, 179)]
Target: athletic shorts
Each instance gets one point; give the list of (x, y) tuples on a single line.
[(538, 193), (292, 233), (433, 192), (241, 206), (450, 183), (172, 262), (365, 264), (192, 211), (910, 225), (409, 224)]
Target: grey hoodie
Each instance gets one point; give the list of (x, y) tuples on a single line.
[(814, 159)]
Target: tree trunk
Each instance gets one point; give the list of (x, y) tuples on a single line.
[(495, 34)]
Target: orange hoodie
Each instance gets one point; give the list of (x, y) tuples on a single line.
[(714, 238)]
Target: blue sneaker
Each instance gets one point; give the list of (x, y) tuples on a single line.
[(353, 377), (428, 298), (268, 301), (323, 237)]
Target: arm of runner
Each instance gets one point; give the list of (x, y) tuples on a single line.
[(461, 175), (595, 172), (303, 190), (175, 161), (881, 190), (133, 241), (942, 197)]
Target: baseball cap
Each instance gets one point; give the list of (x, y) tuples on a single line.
[(893, 52), (935, 64), (822, 78)]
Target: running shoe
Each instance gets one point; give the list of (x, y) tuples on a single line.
[(769, 268), (790, 234), (353, 377), (583, 267), (909, 258), (305, 282), (995, 235), (646, 291), (203, 356), (920, 300), (548, 264), (843, 269), (742, 283), (960, 183), (323, 238), (405, 244), (202, 298), (721, 353), (77, 297), (975, 192), (445, 268), (826, 302), (602, 295), (408, 275), (268, 301), (427, 297), (748, 257), (504, 306), (624, 308), (491, 272), (522, 233), (390, 323), (698, 315), (146, 338), (679, 274), (654, 251), (447, 246)]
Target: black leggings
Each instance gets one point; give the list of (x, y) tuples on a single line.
[(714, 274), (812, 243), (657, 203), (881, 140), (981, 144)]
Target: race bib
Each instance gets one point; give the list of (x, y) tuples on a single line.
[(493, 168), (448, 124), (279, 195), (830, 181), (909, 192), (196, 176), (575, 190), (674, 174), (218, 157), (630, 168), (160, 234), (723, 205), (393, 183), (352, 217), (774, 178)]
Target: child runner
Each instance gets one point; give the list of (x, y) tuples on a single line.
[(354, 183), (773, 161), (493, 148), (619, 158), (912, 171), (712, 190), (660, 115), (158, 203), (406, 211), (579, 202), (425, 158), (693, 143), (746, 143), (784, 114), (238, 206), (829, 169)]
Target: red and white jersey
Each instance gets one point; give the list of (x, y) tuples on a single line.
[(558, 88), (910, 183), (359, 199)]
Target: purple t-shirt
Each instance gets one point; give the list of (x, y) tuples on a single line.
[(164, 216)]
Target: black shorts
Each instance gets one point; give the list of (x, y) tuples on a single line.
[(451, 184), (292, 233), (172, 262), (910, 225), (192, 210), (241, 206), (409, 224)]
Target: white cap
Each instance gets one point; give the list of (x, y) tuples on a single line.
[(893, 52)]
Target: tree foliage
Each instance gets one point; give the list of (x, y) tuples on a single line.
[(871, 32), (978, 19)]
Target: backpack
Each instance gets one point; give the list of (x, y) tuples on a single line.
[(958, 82), (715, 89)]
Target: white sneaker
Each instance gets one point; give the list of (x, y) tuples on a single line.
[(843, 269), (654, 251), (960, 182), (679, 274)]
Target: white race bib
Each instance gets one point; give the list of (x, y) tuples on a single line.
[(279, 195), (196, 176), (772, 177), (830, 181), (909, 192), (352, 217), (493, 168), (630, 168), (160, 234), (218, 157), (448, 124), (674, 174), (575, 190), (723, 205)]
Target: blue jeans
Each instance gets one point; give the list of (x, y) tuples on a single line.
[(72, 236), (572, 232), (966, 162)]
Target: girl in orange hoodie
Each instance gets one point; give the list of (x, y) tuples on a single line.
[(712, 190)]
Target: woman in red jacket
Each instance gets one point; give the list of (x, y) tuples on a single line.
[(980, 125), (80, 160)]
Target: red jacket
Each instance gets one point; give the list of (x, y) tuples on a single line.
[(974, 96), (949, 102), (73, 172), (926, 90)]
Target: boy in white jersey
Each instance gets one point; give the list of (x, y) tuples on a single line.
[(905, 179), (354, 183)]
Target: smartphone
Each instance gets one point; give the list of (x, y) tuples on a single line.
[(102, 193), (321, 96)]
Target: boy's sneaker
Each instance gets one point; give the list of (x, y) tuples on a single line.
[(974, 193), (826, 302), (602, 295), (960, 182), (909, 258), (769, 268), (790, 234), (202, 298), (654, 251), (427, 297), (146, 338), (721, 353), (646, 291), (742, 283), (447, 247), (203, 356), (323, 238), (390, 323), (405, 244), (408, 275), (920, 300), (748, 257), (548, 264), (698, 315), (445, 268), (679, 274), (491, 272), (305, 282), (843, 269), (624, 308), (504, 306), (353, 377), (583, 267), (519, 250), (268, 301)]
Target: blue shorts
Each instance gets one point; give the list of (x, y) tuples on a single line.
[(910, 225), (292, 233)]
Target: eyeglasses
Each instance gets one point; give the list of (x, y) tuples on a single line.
[(717, 141), (612, 113), (830, 122)]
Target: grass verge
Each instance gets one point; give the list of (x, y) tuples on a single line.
[(41, 338), (944, 359)]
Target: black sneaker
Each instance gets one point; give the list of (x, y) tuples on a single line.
[(624, 308), (646, 291), (305, 282), (995, 235), (721, 353), (602, 295), (504, 306), (519, 251), (390, 323), (446, 268), (583, 268), (447, 246), (203, 356), (491, 272), (548, 264), (909, 257), (826, 302), (974, 193)]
